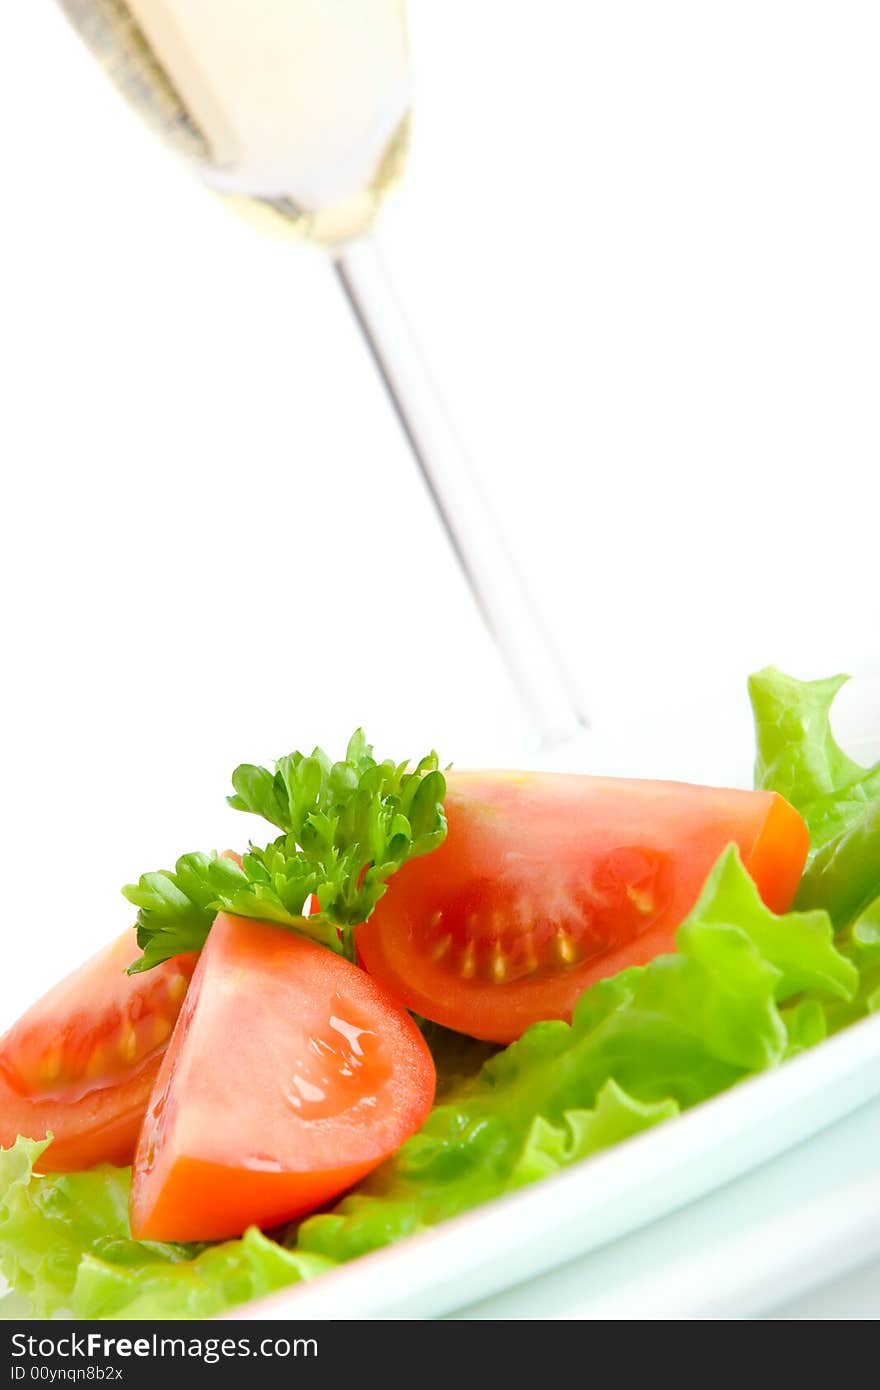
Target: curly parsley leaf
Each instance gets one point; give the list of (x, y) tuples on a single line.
[(346, 828)]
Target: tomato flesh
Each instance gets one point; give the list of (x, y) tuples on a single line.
[(291, 1074), (548, 882), (82, 1061)]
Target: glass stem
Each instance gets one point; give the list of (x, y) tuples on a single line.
[(545, 685)]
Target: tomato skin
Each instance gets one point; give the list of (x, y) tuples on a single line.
[(548, 882), (291, 1074), (82, 1061)]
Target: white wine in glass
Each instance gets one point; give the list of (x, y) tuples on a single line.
[(297, 111)]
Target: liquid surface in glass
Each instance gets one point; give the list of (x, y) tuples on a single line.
[(298, 108)]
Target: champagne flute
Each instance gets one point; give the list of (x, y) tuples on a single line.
[(297, 112)]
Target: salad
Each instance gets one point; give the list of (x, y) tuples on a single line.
[(425, 991)]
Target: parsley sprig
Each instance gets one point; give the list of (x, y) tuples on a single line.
[(346, 827)]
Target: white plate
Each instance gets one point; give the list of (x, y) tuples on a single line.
[(523, 1235)]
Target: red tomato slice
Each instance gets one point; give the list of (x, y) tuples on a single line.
[(81, 1063), (547, 882), (290, 1075)]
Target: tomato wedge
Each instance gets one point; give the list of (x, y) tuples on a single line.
[(82, 1061), (547, 882), (291, 1074)]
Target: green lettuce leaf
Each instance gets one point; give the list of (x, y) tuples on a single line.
[(806, 1023), (130, 1281), (615, 1116), (843, 877), (860, 944), (864, 948), (48, 1223), (65, 1247), (799, 757)]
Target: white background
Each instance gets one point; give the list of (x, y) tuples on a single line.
[(639, 242)]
